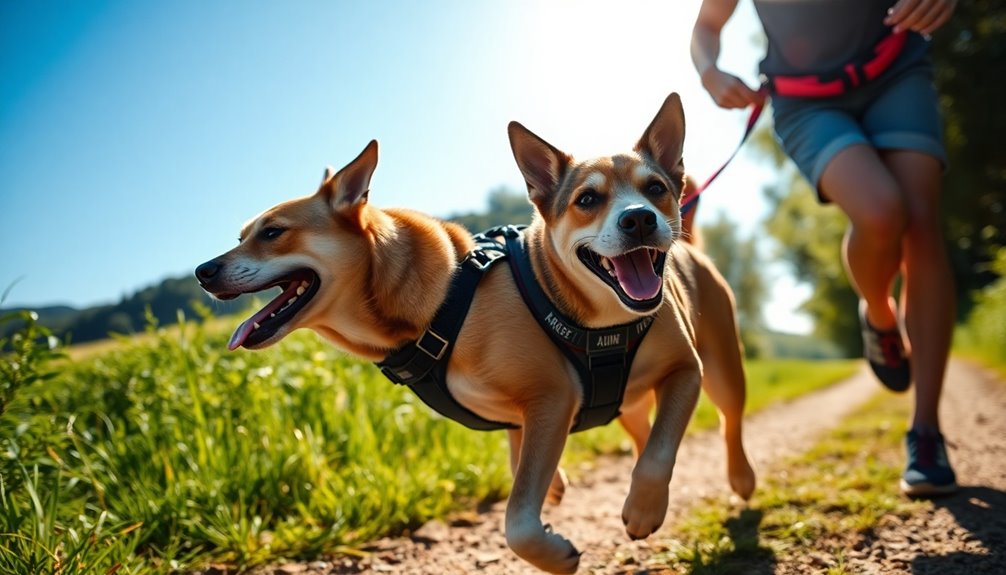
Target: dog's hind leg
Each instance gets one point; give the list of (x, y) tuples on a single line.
[(559, 481), (723, 380)]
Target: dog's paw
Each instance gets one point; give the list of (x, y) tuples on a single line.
[(558, 487), (645, 508), (544, 549), (742, 478)]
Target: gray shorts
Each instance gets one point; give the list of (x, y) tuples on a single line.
[(898, 111)]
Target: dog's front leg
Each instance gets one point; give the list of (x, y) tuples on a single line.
[(558, 486), (646, 505), (544, 437)]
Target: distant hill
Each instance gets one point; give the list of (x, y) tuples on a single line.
[(128, 316)]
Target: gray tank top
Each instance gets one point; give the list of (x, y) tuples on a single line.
[(819, 36)]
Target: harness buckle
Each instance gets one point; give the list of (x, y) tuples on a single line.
[(612, 358), (392, 375), (480, 259), (432, 345)]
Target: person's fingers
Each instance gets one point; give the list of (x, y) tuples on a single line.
[(738, 95), (926, 15), (898, 12), (923, 16), (942, 18), (913, 17), (726, 90)]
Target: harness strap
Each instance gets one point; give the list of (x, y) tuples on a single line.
[(602, 357), (418, 364)]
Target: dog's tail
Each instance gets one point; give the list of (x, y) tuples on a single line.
[(689, 232)]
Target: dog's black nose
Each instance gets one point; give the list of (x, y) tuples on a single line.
[(637, 222), (207, 271)]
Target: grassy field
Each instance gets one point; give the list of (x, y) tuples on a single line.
[(983, 337), (165, 452)]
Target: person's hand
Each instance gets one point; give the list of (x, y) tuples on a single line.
[(729, 91), (922, 16)]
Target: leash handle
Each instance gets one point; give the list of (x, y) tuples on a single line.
[(756, 111)]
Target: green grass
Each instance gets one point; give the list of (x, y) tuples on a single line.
[(982, 337), (204, 455), (166, 452), (817, 503)]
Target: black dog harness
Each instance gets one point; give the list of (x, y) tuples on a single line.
[(602, 357)]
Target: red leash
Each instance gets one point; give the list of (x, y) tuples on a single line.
[(692, 198)]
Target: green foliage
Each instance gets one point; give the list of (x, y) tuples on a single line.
[(26, 354), (969, 54), (983, 335), (787, 345), (741, 265), (809, 237), (168, 452), (505, 206)]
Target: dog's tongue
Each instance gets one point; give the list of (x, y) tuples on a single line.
[(248, 325), (241, 333), (634, 272)]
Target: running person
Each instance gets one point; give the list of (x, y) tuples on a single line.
[(855, 108)]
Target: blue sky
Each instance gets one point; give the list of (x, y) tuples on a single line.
[(137, 137)]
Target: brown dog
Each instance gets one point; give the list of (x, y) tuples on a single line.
[(598, 246)]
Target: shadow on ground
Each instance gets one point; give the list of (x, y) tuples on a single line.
[(746, 555), (982, 512)]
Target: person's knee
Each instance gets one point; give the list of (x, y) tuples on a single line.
[(885, 216)]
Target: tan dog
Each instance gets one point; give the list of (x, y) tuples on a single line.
[(343, 263)]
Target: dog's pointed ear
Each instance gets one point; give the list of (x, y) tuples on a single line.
[(329, 172), (664, 138), (542, 164), (350, 186)]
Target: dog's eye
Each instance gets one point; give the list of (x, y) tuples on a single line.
[(271, 233), (655, 188), (588, 199)]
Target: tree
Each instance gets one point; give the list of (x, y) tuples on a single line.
[(969, 54), (809, 236), (505, 206), (740, 263)]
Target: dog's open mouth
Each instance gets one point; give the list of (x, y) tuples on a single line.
[(298, 289), (637, 277)]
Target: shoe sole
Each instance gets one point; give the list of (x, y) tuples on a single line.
[(927, 489)]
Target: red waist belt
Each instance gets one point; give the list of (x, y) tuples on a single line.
[(850, 76)]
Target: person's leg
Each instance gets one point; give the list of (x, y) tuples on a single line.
[(858, 181), (927, 301), (903, 121)]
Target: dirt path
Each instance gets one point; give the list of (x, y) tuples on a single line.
[(963, 535)]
